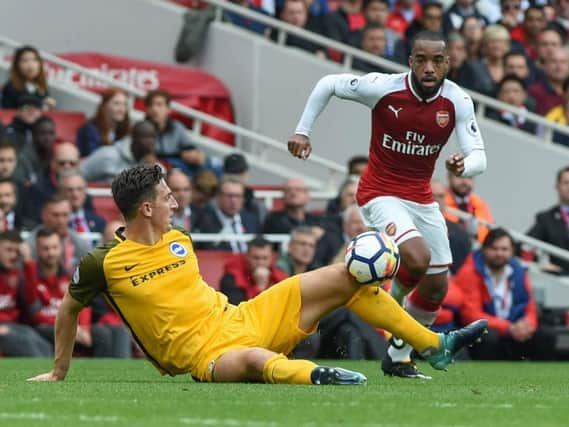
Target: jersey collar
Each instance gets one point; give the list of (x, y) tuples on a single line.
[(416, 95)]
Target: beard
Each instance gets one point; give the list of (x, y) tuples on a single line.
[(423, 91)]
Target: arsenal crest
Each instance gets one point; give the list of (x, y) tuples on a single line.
[(442, 118)]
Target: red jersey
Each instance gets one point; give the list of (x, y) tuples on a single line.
[(12, 289), (408, 132)]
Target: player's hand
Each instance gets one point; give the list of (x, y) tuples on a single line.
[(455, 164), (50, 376), (25, 252), (299, 146)]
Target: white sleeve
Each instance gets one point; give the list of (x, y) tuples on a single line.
[(469, 138), (365, 90)]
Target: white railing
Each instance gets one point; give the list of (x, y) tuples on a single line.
[(349, 53), (261, 142)]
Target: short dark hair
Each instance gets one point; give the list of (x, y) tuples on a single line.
[(158, 93), (495, 234), (431, 5), (8, 144), (533, 7), (368, 2), (511, 78), (513, 53), (41, 121), (132, 186), (427, 35), (56, 198), (258, 242), (355, 160), (372, 26), (561, 172), (11, 236), (45, 232)]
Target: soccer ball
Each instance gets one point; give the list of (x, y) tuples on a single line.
[(372, 257)]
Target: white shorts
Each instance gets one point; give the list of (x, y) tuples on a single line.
[(402, 220)]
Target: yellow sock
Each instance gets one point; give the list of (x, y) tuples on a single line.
[(280, 370), (380, 310)]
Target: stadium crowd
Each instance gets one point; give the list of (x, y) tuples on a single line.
[(515, 51)]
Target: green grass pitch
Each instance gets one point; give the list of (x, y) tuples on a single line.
[(131, 393)]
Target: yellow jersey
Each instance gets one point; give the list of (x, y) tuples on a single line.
[(158, 292)]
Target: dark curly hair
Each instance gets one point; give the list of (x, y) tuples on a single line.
[(133, 186)]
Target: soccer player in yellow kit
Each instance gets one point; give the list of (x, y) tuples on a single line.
[(150, 275)]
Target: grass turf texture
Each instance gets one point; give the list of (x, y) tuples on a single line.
[(131, 393)]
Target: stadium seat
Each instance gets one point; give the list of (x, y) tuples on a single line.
[(211, 265), (66, 122), (105, 205)]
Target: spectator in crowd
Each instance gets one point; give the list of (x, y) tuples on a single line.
[(17, 339), (48, 287), (528, 31), (226, 216), (346, 197), (34, 159), (65, 158), (27, 77), (248, 274), (517, 64), (9, 161), (181, 188), (343, 24), (549, 40), (460, 195), (456, 14), (108, 161), (174, 146), (83, 218), (110, 229), (377, 12), (295, 12), (110, 124), (560, 115), (472, 30), (512, 90), (456, 47), (511, 14), (431, 19), (299, 258), (373, 42), (562, 17), (483, 75), (352, 225), (204, 188), (19, 131), (496, 287), (11, 206), (294, 214), (548, 92), (236, 166), (404, 12), (357, 165), (459, 240), (552, 225), (244, 22), (55, 215)]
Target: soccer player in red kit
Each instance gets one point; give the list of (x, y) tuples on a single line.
[(413, 115)]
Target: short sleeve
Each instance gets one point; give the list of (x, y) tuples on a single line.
[(89, 279)]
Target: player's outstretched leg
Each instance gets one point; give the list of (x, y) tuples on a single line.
[(261, 365)]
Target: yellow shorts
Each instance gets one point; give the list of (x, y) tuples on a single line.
[(270, 320)]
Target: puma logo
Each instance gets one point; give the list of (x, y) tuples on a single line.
[(395, 110)]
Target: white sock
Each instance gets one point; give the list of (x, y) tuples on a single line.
[(400, 351), (398, 292)]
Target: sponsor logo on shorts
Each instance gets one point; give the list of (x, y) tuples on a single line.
[(391, 229), (442, 118)]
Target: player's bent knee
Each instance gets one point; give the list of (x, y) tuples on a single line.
[(417, 262)]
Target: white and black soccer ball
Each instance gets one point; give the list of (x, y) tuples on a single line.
[(372, 257)]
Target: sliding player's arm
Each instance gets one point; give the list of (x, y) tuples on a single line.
[(366, 90), (88, 281), (472, 160)]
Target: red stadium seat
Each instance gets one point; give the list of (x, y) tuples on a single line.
[(105, 205), (211, 265), (66, 122)]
